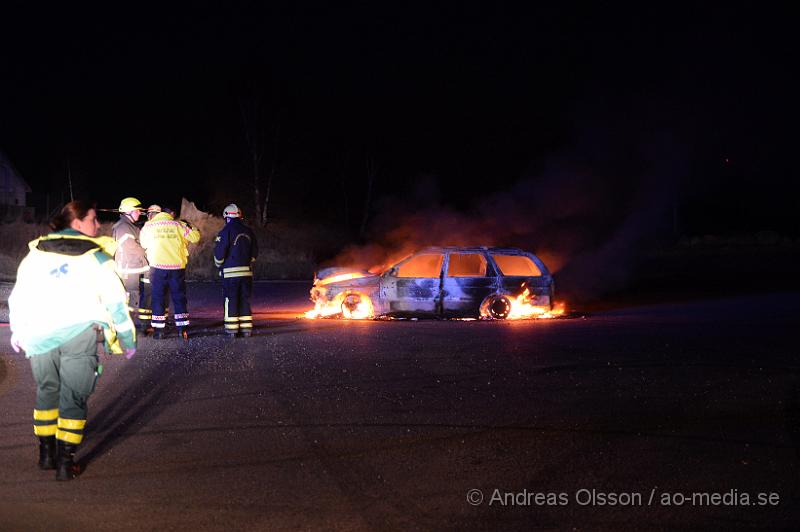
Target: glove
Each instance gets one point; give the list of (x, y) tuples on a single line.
[(15, 345), (130, 352)]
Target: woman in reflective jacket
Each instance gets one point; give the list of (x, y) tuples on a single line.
[(66, 288)]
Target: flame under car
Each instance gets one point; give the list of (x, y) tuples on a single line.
[(449, 282)]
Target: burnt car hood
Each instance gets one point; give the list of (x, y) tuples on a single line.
[(327, 277), (325, 273)]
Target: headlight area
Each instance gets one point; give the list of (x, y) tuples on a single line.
[(347, 304)]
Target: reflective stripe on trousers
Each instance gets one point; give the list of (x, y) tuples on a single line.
[(65, 378), (237, 291), (174, 282)]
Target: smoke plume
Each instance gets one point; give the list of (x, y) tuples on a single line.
[(589, 214)]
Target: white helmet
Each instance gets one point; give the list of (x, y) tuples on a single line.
[(232, 211)]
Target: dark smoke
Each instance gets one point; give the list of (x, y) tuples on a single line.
[(591, 214)]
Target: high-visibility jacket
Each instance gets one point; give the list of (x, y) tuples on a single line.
[(130, 256), (165, 241), (235, 248), (67, 283)]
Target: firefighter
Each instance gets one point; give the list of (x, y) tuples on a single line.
[(145, 296), (235, 249), (66, 288), (165, 241), (130, 257)]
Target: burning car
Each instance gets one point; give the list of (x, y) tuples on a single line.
[(451, 282)]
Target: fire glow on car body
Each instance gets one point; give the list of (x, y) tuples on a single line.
[(449, 282)]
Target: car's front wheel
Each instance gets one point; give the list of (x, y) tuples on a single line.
[(356, 306)]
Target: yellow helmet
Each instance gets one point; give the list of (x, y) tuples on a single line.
[(130, 204)]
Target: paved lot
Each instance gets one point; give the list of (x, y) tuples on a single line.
[(389, 425)]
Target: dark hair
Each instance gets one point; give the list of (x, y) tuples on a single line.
[(74, 210)]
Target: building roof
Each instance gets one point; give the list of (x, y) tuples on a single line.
[(8, 172)]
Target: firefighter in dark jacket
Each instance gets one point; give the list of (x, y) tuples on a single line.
[(130, 256), (235, 249)]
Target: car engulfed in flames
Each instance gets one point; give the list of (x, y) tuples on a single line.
[(448, 282)]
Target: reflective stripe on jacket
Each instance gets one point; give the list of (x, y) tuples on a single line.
[(130, 256)]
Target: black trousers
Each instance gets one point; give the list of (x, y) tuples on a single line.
[(237, 292)]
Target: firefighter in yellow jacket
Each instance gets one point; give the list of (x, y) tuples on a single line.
[(166, 241), (66, 287), (145, 295)]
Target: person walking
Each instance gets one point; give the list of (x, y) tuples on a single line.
[(130, 257), (166, 241), (235, 249), (66, 287)]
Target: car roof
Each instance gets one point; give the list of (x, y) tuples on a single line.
[(471, 249)]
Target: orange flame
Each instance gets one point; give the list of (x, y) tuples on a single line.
[(351, 306), (357, 307), (522, 307)]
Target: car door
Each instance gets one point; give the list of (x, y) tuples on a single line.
[(413, 286), (467, 280)]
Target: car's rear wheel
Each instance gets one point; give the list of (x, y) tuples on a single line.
[(498, 307)]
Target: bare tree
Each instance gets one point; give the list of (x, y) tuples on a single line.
[(253, 133), (372, 172), (253, 118), (273, 170), (69, 180), (343, 182)]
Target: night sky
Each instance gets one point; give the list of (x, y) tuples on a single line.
[(451, 104)]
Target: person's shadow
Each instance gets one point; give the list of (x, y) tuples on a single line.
[(142, 401), (145, 397)]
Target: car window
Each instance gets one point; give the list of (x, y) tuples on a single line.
[(421, 266), (517, 265), (466, 265)]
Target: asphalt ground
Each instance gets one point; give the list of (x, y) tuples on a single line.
[(681, 415)]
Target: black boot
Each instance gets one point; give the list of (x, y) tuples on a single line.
[(65, 462), (47, 452)]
